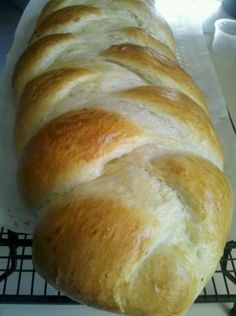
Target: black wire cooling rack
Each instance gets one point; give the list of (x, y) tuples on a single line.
[(20, 284)]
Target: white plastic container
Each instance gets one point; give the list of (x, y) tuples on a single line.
[(224, 42)]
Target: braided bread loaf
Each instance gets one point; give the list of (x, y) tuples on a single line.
[(118, 159)]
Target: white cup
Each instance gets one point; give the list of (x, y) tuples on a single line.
[(224, 41)]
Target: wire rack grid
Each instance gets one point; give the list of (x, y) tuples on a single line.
[(20, 283)]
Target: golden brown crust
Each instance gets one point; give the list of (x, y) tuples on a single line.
[(64, 18), (146, 12), (79, 138), (48, 9), (139, 11), (154, 284), (123, 262), (177, 105), (204, 187), (48, 88), (104, 224), (155, 68), (144, 39), (121, 237), (35, 59), (124, 175)]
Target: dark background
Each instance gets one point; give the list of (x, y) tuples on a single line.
[(10, 13)]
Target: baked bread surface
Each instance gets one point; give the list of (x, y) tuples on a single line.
[(118, 159)]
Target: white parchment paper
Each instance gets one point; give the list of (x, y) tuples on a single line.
[(193, 54)]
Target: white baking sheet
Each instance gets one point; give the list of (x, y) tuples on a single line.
[(193, 54)]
